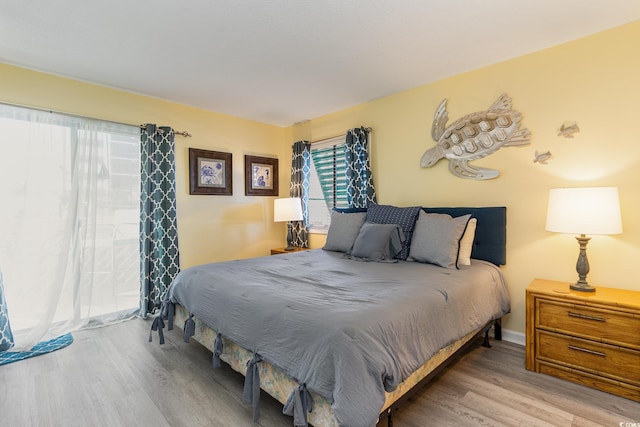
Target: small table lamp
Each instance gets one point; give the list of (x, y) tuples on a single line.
[(586, 210), (289, 209)]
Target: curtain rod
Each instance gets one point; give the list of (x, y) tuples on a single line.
[(46, 110), (175, 132), (315, 141)]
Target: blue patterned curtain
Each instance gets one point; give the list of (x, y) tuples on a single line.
[(6, 337), (300, 170), (159, 256), (360, 189)]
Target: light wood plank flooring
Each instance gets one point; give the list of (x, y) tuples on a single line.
[(113, 377)]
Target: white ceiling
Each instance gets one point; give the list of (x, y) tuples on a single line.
[(284, 61)]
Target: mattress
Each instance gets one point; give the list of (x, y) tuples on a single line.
[(351, 332)]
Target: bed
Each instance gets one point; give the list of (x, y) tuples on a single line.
[(339, 338)]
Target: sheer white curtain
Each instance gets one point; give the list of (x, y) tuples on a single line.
[(69, 222)]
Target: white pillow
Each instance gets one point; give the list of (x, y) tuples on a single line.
[(466, 243)]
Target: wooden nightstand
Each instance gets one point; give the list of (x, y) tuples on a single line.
[(591, 338), (277, 251)]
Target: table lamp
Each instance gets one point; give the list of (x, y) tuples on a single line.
[(584, 210), (289, 209)]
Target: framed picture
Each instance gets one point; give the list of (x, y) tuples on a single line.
[(210, 172), (260, 176)]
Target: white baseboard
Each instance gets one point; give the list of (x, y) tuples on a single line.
[(514, 337)]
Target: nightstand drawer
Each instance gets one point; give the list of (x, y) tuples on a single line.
[(597, 358), (603, 325)]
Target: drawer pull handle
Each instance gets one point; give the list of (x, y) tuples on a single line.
[(586, 350), (584, 316)]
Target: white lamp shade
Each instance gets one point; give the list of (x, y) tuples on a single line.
[(585, 210), (289, 209)]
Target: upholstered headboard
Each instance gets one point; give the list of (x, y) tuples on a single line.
[(491, 231)]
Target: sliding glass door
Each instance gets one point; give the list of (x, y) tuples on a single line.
[(69, 221)]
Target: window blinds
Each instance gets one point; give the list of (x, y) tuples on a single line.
[(328, 187)]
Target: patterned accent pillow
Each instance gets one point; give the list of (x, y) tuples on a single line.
[(6, 337), (436, 239), (404, 217)]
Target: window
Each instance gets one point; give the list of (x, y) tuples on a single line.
[(328, 182)]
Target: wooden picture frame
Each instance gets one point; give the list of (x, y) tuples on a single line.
[(210, 172), (260, 176)]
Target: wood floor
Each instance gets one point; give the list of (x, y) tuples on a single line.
[(113, 377)]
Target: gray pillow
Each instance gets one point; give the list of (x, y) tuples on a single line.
[(378, 242), (343, 231), (436, 239), (404, 217)]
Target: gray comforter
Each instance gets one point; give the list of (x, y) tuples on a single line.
[(347, 329)]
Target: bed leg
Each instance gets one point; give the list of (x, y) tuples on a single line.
[(389, 417), (497, 329), (485, 342)]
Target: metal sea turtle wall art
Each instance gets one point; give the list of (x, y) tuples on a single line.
[(474, 136)]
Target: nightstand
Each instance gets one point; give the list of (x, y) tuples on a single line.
[(590, 338), (277, 251)]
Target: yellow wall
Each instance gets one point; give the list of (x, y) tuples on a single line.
[(210, 228), (593, 81)]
